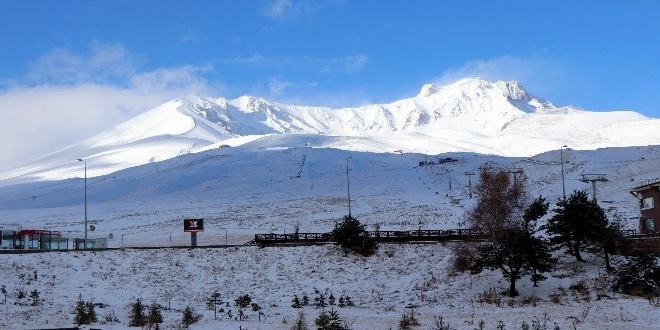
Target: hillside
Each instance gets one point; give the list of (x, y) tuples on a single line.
[(261, 187), (381, 287)]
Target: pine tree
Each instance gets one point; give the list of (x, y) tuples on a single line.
[(506, 254), (305, 300), (517, 251), (300, 323), (319, 301), (91, 313), (257, 308), (295, 303), (322, 321), (81, 313), (540, 258), (242, 302), (155, 317), (350, 234), (137, 317), (331, 299), (336, 322), (34, 294), (348, 301), (329, 320), (576, 224), (3, 289), (189, 317), (640, 276), (341, 302), (606, 238)]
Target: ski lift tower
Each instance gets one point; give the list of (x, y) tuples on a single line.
[(515, 171), (593, 178)]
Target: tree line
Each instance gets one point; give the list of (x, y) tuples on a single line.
[(518, 246)]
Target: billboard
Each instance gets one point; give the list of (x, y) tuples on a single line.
[(193, 225)]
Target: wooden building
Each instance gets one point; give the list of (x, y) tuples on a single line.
[(648, 194)]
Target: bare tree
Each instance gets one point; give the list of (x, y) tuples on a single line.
[(501, 199)]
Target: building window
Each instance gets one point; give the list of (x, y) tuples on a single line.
[(649, 224), (647, 203)]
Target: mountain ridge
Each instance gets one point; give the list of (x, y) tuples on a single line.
[(470, 115)]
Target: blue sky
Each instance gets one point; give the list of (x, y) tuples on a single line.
[(69, 69)]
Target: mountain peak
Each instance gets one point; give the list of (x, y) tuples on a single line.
[(428, 90), (512, 90)]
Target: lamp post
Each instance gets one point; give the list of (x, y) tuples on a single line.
[(85, 162), (348, 185), (561, 160)]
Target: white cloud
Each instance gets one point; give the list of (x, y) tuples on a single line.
[(103, 63), (277, 86), (254, 59), (67, 97), (539, 73), (278, 9), (355, 63), (288, 9)]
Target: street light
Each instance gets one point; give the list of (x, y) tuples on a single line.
[(85, 162), (561, 159), (348, 184)]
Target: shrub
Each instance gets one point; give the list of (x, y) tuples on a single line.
[(408, 321), (639, 276), (439, 324), (463, 257), (350, 234), (490, 297)]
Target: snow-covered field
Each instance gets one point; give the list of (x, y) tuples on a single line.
[(255, 188), (380, 286)]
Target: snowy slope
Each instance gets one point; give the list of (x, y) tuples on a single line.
[(260, 186), (471, 115), (167, 131)]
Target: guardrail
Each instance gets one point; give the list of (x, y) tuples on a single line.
[(378, 236), (633, 233)]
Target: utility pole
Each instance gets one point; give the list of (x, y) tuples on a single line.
[(515, 171), (85, 162), (469, 175), (348, 186), (449, 177), (561, 160)]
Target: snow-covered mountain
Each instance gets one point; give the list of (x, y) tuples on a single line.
[(272, 182), (471, 115)]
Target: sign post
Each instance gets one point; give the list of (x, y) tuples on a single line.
[(193, 226)]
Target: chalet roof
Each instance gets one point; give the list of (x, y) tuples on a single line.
[(648, 184)]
